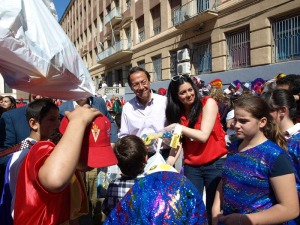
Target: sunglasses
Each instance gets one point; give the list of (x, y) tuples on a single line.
[(177, 77)]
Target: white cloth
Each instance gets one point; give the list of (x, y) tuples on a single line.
[(229, 116), (292, 131), (37, 56)]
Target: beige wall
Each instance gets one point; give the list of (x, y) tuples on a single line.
[(232, 14)]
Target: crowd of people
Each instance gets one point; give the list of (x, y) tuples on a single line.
[(240, 147), (9, 102)]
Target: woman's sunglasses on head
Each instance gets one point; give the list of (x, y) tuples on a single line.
[(181, 76)]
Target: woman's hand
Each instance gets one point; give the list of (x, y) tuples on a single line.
[(171, 127)]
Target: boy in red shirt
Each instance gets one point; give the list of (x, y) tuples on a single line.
[(50, 189)]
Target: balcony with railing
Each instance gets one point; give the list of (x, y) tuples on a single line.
[(194, 12), (113, 17), (110, 91), (118, 51)]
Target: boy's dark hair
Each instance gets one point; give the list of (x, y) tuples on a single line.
[(39, 108), (131, 153)]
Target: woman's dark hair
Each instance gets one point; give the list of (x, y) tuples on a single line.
[(12, 100), (39, 108), (131, 153), (175, 108), (258, 108), (137, 69), (282, 98)]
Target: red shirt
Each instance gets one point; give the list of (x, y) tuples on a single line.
[(36, 206), (197, 153), (122, 102), (108, 105)]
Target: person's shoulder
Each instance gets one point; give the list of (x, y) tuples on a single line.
[(41, 148), (15, 112), (97, 99), (159, 98), (233, 147), (132, 101), (295, 137), (209, 100), (271, 148), (65, 104), (154, 95)]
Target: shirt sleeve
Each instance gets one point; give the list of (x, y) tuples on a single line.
[(124, 130), (282, 166)]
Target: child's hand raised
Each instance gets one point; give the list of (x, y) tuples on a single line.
[(84, 113)]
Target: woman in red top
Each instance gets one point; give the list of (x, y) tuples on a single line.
[(203, 136)]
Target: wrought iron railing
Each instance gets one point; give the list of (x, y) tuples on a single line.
[(193, 8), (286, 33), (115, 12), (117, 47)]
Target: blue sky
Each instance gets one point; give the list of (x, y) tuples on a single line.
[(60, 6)]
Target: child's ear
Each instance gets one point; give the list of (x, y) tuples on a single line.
[(263, 122), (282, 111), (33, 124)]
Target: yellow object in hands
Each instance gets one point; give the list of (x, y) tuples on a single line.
[(176, 136)]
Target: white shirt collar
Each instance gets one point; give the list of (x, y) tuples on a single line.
[(292, 131)]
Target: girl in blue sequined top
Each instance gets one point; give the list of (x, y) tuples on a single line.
[(258, 182), (284, 111)]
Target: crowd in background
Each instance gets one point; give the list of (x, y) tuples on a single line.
[(242, 119)]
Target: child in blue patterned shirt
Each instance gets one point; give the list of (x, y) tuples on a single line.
[(258, 182)]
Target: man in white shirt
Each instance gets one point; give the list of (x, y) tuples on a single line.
[(145, 113)]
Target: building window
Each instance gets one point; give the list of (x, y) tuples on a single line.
[(128, 38), (128, 4), (101, 23), (95, 28), (202, 5), (141, 31), (85, 37), (176, 15), (90, 33), (117, 3), (81, 40), (286, 34), (155, 12), (202, 57), (141, 64), (7, 89), (173, 63), (125, 74), (109, 78), (157, 76), (238, 49)]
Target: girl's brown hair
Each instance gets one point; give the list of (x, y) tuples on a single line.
[(259, 109)]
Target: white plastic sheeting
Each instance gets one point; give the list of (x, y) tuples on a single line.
[(37, 56)]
